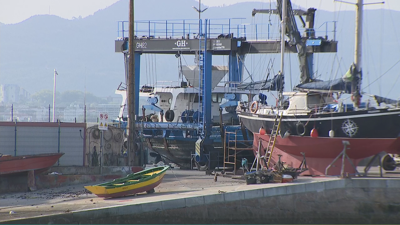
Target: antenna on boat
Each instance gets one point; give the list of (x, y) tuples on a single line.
[(357, 74), (283, 31)]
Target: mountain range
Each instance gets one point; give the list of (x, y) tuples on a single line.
[(82, 49)]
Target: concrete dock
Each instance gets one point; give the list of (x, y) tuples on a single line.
[(193, 197)]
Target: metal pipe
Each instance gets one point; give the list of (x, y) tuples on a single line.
[(170, 126), (15, 138), (131, 89), (59, 137), (54, 96)]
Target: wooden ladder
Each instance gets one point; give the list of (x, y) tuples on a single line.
[(270, 147), (272, 139)]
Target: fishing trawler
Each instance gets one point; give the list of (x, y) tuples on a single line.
[(170, 120)]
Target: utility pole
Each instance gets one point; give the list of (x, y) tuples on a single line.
[(133, 160)]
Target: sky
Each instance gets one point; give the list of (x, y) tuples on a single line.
[(15, 11)]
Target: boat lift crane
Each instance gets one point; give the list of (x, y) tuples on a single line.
[(295, 39), (230, 41)]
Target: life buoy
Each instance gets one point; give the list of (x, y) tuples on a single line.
[(169, 115), (96, 134), (254, 107), (300, 129)]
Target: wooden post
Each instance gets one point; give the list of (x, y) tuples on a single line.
[(31, 180), (133, 160)]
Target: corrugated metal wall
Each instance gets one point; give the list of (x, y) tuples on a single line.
[(25, 138)]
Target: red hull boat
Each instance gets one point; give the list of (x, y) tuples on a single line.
[(320, 152), (16, 164)]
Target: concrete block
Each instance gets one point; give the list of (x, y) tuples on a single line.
[(130, 209), (119, 210), (295, 188), (315, 186), (275, 191), (335, 184), (393, 183), (215, 198), (257, 193), (234, 196), (368, 183), (151, 206), (194, 201), (173, 203)]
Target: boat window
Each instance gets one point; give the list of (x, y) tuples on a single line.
[(196, 98), (214, 98), (314, 101), (220, 97), (217, 98)]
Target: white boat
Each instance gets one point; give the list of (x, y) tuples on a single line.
[(172, 116)]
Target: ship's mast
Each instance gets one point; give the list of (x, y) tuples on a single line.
[(358, 35), (283, 33), (357, 74)]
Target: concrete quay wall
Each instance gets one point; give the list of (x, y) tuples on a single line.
[(335, 201)]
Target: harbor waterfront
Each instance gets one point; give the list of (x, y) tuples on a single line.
[(193, 197)]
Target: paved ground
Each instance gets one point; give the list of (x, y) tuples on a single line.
[(75, 198)]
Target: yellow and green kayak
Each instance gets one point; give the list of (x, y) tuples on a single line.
[(143, 181)]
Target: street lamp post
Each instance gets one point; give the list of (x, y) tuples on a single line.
[(199, 11), (54, 95)]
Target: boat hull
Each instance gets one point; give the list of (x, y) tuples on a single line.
[(37, 163), (367, 133), (320, 152), (137, 186), (180, 150), (357, 124)]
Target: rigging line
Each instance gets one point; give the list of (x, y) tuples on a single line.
[(381, 43), (393, 24), (383, 74), (394, 85), (155, 67), (147, 74), (151, 68), (149, 65), (369, 55), (290, 73)]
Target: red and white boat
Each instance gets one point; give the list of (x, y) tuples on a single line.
[(38, 163)]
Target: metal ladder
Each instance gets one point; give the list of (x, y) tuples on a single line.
[(271, 144), (201, 64)]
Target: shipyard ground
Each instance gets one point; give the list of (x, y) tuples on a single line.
[(193, 197)]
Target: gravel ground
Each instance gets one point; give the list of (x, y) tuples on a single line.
[(174, 181)]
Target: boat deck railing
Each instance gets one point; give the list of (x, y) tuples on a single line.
[(217, 28), (223, 86)]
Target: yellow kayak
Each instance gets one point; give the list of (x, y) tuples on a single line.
[(143, 181)]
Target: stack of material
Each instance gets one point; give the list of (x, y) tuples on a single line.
[(277, 178)]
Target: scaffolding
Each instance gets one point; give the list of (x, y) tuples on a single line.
[(233, 145)]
